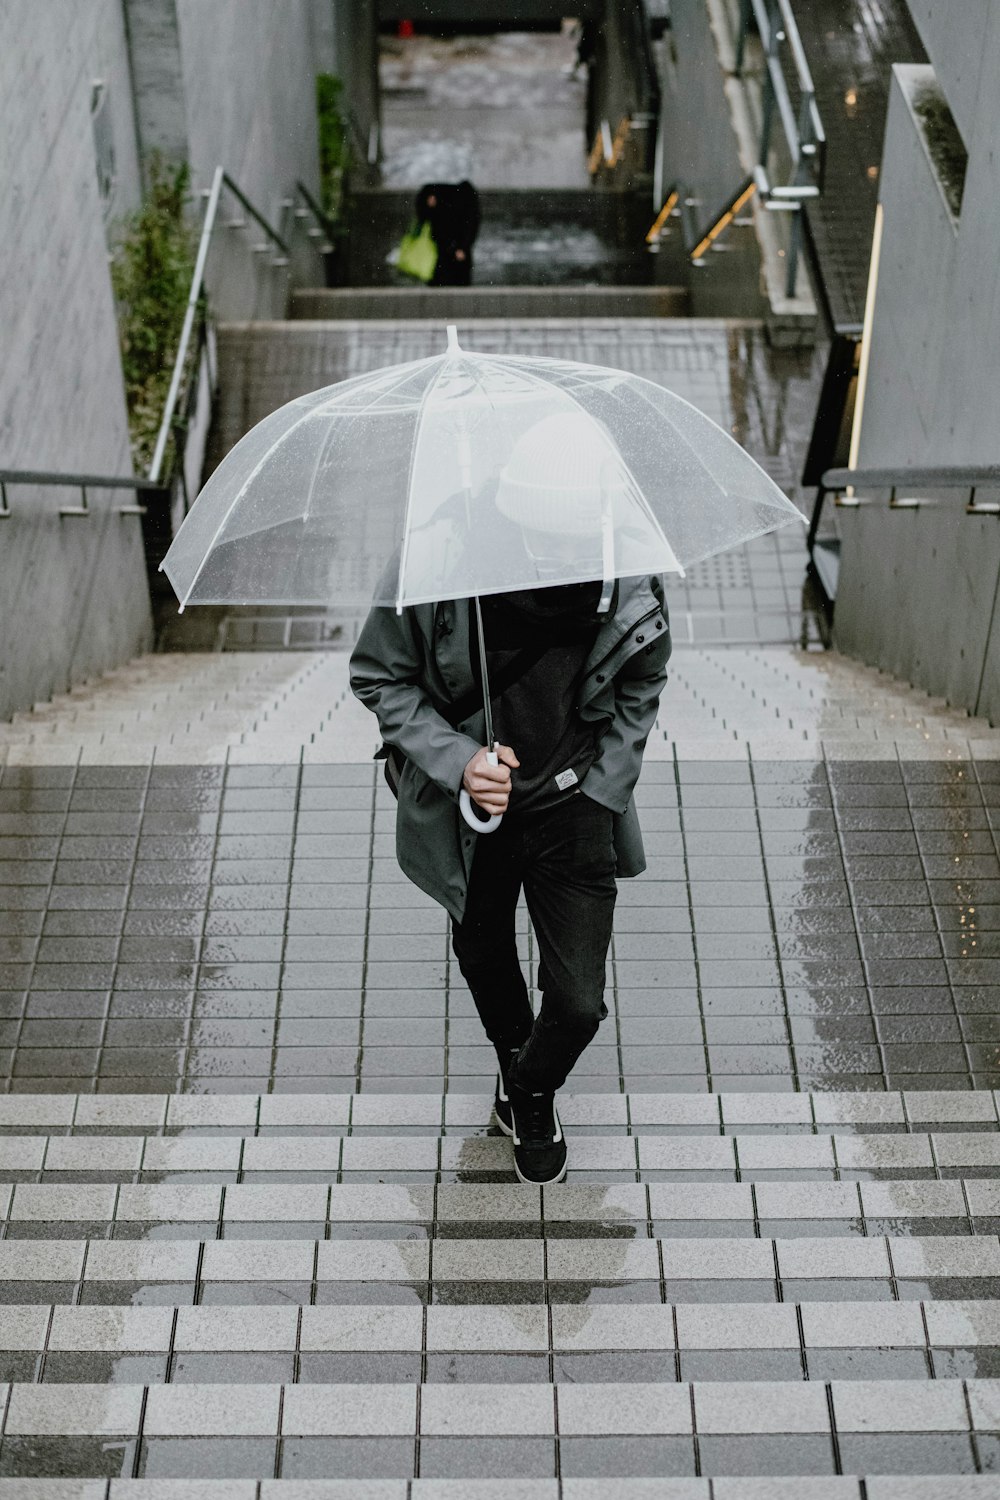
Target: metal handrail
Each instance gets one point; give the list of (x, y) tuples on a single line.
[(194, 297), (608, 148), (833, 481), (365, 150), (805, 134), (220, 179), (81, 482), (329, 225), (254, 213), (803, 131)]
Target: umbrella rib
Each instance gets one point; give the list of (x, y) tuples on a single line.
[(385, 394), (401, 372), (409, 484), (312, 411)]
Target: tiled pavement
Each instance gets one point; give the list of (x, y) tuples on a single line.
[(801, 923), (259, 1241)]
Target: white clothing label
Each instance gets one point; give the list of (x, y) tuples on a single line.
[(565, 779)]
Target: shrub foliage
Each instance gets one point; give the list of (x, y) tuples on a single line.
[(334, 145), (151, 275)]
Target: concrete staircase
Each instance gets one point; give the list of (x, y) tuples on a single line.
[(439, 303), (729, 1289)]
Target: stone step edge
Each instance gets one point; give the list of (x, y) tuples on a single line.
[(790, 1200), (708, 1150), (790, 1487), (607, 1261), (516, 1409), (528, 1327), (904, 1109)]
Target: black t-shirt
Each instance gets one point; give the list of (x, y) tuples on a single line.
[(537, 715)]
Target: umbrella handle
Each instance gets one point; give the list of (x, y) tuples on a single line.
[(476, 820)]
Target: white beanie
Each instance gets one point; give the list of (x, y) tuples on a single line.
[(559, 476)]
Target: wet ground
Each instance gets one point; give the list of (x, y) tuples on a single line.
[(824, 924), (504, 111)]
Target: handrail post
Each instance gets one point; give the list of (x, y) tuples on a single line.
[(746, 8), (769, 101), (83, 509), (821, 493), (792, 256), (4, 503)]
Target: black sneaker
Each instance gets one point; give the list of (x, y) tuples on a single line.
[(501, 1099), (539, 1146)]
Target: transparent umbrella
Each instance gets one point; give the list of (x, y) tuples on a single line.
[(485, 473)]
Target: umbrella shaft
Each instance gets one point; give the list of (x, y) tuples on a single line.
[(484, 669)]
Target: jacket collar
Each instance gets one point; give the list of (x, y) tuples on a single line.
[(635, 600)]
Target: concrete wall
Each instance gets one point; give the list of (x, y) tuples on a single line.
[(917, 587), (699, 144), (73, 593), (231, 83), (951, 33), (700, 152), (208, 81), (259, 118), (356, 63)]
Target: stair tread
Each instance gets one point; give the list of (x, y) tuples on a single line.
[(608, 1487), (233, 1110)]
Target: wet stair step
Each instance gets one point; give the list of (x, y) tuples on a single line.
[(939, 1331), (501, 1270), (237, 1113), (707, 1156), (297, 1427), (670, 1208), (878, 1487), (732, 1286)]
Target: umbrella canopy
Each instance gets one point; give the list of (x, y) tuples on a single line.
[(490, 472)]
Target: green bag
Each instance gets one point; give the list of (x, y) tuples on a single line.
[(418, 253)]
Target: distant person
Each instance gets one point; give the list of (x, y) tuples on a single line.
[(452, 210)]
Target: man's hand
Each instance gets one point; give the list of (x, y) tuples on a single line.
[(489, 786)]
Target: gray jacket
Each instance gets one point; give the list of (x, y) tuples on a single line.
[(403, 665)]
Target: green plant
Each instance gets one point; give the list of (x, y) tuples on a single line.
[(151, 275), (945, 144), (334, 144)]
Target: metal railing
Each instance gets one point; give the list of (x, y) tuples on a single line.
[(195, 322), (788, 93), (836, 481), (36, 478), (903, 487), (366, 147), (638, 106)]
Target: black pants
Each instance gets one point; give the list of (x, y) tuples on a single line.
[(563, 856), (452, 272)]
